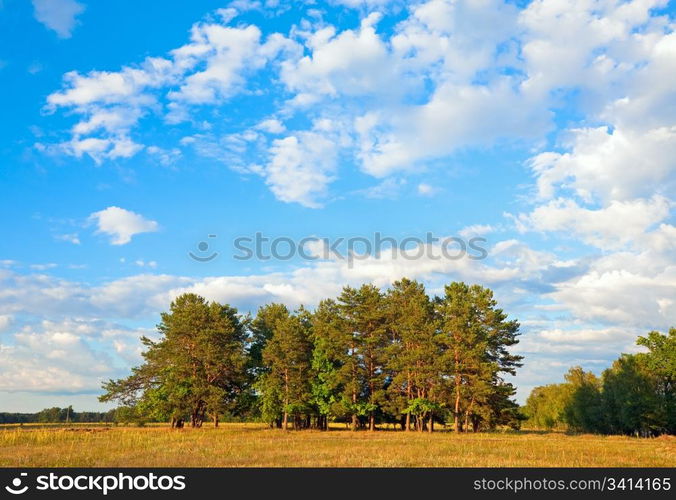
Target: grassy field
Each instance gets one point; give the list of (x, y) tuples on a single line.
[(251, 445)]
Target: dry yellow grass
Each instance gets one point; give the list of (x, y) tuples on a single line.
[(250, 445)]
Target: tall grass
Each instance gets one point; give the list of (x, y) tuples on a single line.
[(249, 445)]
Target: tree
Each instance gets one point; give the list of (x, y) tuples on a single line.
[(583, 407), (660, 360), (364, 317), (268, 396), (327, 359), (475, 335), (545, 406), (287, 356), (412, 354), (631, 398), (197, 367), (261, 331)]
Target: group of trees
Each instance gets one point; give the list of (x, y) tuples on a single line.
[(365, 358), (636, 395)]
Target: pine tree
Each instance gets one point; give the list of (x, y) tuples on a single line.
[(197, 367), (475, 335), (412, 353), (364, 315), (287, 357)]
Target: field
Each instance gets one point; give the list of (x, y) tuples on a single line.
[(251, 445)]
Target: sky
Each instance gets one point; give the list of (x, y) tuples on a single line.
[(133, 135)]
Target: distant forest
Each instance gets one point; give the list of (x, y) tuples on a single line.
[(57, 415)]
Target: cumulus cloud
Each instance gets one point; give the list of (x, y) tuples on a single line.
[(5, 321), (71, 356), (616, 225), (225, 51), (301, 167), (121, 224), (603, 165), (58, 15)]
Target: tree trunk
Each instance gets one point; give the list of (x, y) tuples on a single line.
[(285, 419), (456, 411), (430, 425), (216, 420), (408, 400), (372, 422)]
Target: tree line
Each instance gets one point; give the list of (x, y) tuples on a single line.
[(365, 358), (58, 415), (635, 396)]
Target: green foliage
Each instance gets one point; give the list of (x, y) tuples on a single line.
[(285, 385), (545, 406), (634, 396)]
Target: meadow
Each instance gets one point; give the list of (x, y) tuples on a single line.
[(254, 445)]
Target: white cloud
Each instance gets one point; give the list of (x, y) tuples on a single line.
[(425, 189), (58, 15), (301, 167), (476, 230), (389, 188), (348, 63), (166, 157), (121, 224), (6, 321), (604, 165), (456, 116), (618, 296), (583, 43), (43, 267), (619, 223), (72, 355), (73, 238), (142, 263), (225, 50), (272, 126)]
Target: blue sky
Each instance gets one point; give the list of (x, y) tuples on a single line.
[(130, 133)]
